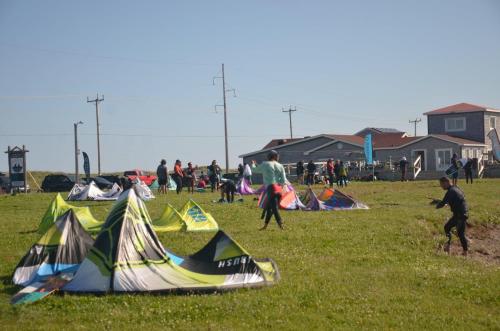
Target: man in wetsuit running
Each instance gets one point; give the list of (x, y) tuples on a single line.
[(455, 198)]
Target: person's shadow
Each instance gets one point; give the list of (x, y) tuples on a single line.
[(10, 288)]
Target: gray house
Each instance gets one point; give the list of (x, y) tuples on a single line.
[(460, 129), (464, 120)]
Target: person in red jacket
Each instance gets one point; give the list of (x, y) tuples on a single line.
[(178, 175), (330, 168)]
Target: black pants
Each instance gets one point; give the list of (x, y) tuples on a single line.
[(310, 179), (468, 175), (178, 182), (460, 222), (229, 190), (214, 181), (330, 180), (272, 207)]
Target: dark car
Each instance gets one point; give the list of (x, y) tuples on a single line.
[(4, 183), (101, 182), (112, 178), (57, 183)]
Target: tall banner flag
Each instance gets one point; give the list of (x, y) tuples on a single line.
[(368, 149), (86, 165)]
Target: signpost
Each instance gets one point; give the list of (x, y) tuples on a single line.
[(17, 167)]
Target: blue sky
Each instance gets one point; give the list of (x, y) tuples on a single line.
[(344, 64)]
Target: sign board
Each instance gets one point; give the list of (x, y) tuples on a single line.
[(17, 166)]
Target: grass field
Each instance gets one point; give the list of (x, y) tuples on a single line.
[(365, 269)]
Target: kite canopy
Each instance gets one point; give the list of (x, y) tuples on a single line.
[(336, 200), (128, 257), (142, 190), (60, 250), (196, 219), (58, 207), (171, 185), (92, 192), (289, 199), (170, 220), (154, 185), (312, 202), (244, 187)]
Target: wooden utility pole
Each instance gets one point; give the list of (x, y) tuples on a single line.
[(97, 101), (415, 122), (289, 111), (77, 152)]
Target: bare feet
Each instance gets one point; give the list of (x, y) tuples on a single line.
[(263, 228), (446, 248)]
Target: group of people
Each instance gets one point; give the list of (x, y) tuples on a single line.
[(187, 177), (334, 172)]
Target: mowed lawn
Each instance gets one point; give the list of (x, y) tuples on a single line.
[(366, 269)]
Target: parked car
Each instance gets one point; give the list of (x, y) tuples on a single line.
[(112, 178), (57, 183), (4, 184), (136, 173), (101, 182)]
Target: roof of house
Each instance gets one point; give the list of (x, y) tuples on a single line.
[(457, 140), (279, 142), (348, 138), (391, 140), (461, 108), (380, 130)]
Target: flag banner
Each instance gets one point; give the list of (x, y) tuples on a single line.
[(86, 164), (368, 149)]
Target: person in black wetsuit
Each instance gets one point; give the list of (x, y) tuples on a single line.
[(455, 198), (468, 170)]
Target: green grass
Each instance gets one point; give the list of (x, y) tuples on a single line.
[(364, 269)]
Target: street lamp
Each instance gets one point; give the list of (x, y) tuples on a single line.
[(77, 152)]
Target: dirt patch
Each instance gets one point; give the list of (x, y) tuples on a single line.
[(484, 243)]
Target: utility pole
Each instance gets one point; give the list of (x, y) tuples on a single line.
[(97, 101), (77, 152), (415, 122), (226, 143), (289, 111)]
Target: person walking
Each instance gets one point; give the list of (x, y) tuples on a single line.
[(455, 198), (214, 175), (468, 170), (274, 177), (403, 165), (343, 172), (178, 175), (247, 173), (191, 177), (311, 171), (336, 170), (300, 172), (330, 167), (162, 175), (241, 168), (454, 163)]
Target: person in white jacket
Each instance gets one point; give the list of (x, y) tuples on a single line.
[(247, 173)]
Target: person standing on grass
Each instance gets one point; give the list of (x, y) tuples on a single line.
[(330, 167), (468, 170), (162, 174), (343, 172), (336, 170), (178, 175), (214, 175), (455, 198), (247, 173), (454, 163), (240, 170), (403, 165), (311, 171), (191, 177), (300, 172), (274, 177)]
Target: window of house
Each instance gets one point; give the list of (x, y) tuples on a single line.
[(443, 159), (493, 122), (454, 124)]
